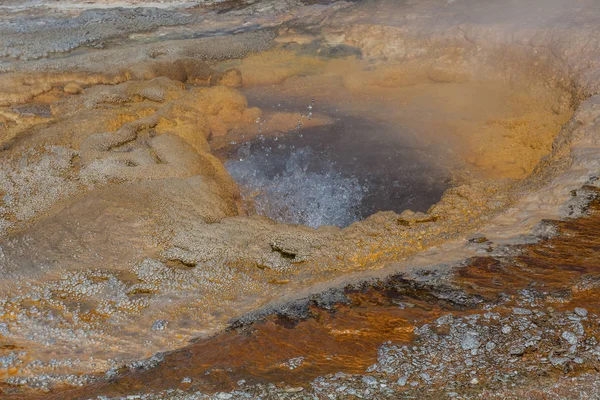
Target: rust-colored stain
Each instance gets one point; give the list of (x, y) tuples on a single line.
[(346, 337), (567, 265)]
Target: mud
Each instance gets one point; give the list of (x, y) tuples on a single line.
[(123, 235)]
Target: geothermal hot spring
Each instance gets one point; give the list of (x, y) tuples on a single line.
[(335, 174), (299, 199)]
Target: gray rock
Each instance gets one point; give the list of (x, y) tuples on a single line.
[(296, 389), (570, 337), (160, 325), (111, 373), (521, 311), (517, 350), (425, 376), (402, 380), (469, 341), (582, 312), (4, 331), (369, 380), (558, 361), (445, 319)]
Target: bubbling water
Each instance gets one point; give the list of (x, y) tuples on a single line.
[(334, 175), (292, 192)]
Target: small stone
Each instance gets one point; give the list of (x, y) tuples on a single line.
[(224, 396), (294, 389), (517, 350), (402, 380), (445, 319), (521, 311), (369, 380), (111, 373), (186, 380), (474, 381), (582, 312), (570, 337), (506, 329), (160, 325), (558, 361), (294, 363), (469, 341), (424, 330), (490, 346), (573, 349)]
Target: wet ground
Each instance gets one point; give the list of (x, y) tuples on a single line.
[(526, 313)]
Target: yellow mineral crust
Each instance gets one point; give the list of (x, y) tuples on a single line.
[(17, 88)]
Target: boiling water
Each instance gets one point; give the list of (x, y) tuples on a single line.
[(336, 174)]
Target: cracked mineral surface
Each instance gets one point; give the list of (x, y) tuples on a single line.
[(299, 199)]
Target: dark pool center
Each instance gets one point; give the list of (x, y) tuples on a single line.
[(336, 174)]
